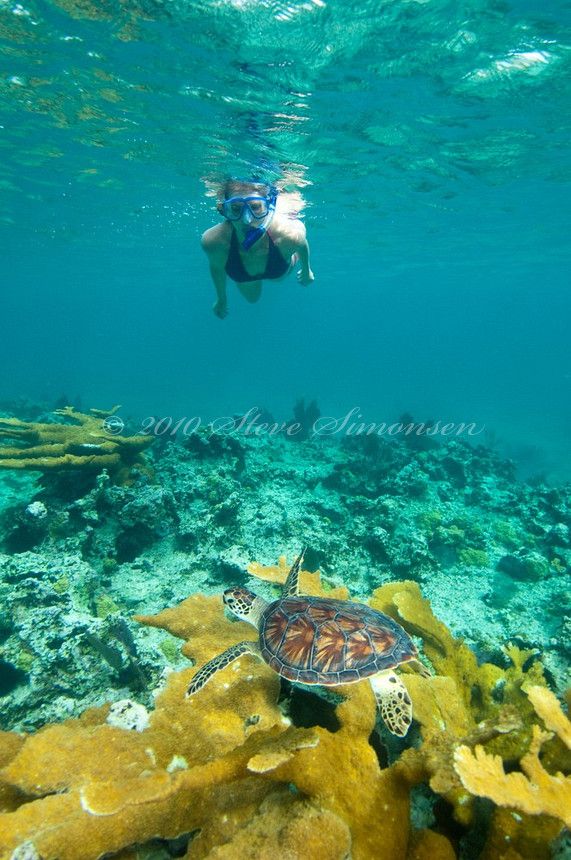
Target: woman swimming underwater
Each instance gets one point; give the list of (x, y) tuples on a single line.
[(254, 243)]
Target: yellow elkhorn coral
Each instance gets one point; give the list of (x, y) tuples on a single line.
[(86, 444), (535, 791)]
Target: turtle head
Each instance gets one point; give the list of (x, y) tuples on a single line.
[(244, 604)]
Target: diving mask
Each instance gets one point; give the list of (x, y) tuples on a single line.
[(247, 209), (253, 207)]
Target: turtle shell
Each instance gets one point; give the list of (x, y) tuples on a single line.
[(315, 640)]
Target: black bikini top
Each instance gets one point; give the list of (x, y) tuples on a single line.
[(276, 266)]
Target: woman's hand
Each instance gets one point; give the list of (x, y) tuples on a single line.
[(220, 308), (305, 277)]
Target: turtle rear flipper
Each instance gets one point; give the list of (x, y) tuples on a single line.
[(291, 585), (393, 702)]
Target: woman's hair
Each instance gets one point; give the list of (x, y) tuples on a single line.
[(243, 187)]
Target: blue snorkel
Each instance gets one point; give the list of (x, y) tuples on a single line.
[(255, 233)]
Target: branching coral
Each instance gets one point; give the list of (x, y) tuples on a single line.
[(339, 773), (90, 788), (465, 703), (482, 692), (309, 583), (535, 791), (548, 708), (228, 763), (84, 444)]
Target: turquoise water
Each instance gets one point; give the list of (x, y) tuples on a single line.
[(430, 141)]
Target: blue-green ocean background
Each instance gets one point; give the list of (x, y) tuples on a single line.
[(429, 139)]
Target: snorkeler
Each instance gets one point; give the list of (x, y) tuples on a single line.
[(254, 243)]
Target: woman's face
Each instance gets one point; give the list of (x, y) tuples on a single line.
[(247, 202)]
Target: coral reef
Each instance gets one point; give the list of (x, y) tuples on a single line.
[(304, 417), (64, 644), (214, 502), (535, 790), (474, 551), (231, 768), (80, 442), (209, 765)]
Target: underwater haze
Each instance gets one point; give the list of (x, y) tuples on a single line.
[(430, 142), (292, 583)]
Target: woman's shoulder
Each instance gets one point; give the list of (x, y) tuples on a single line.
[(287, 228), (216, 239)]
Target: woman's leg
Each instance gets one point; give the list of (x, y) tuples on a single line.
[(252, 290)]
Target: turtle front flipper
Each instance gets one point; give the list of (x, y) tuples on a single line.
[(291, 586), (205, 673), (393, 701)]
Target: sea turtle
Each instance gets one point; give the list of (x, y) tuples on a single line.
[(318, 640)]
